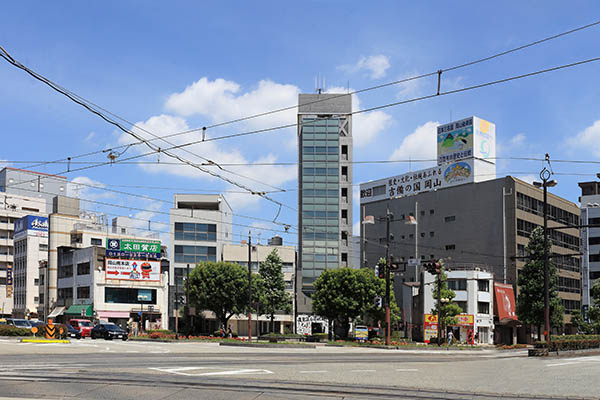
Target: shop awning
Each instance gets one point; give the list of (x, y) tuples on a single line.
[(84, 310), (505, 305), (113, 314), (56, 312)]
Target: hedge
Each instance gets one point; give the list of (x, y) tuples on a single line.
[(8, 330), (571, 342)]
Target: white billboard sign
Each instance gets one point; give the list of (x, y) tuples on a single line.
[(466, 138), (133, 270), (442, 176)]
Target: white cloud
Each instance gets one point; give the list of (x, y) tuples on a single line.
[(518, 139), (365, 126), (420, 144), (83, 187), (89, 137), (260, 177), (222, 100), (588, 139), (376, 66)]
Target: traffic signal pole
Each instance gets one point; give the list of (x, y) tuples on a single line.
[(439, 307), (388, 324)]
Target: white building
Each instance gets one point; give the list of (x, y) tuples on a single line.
[(474, 294), (31, 249), (87, 289), (12, 208), (238, 253), (200, 225), (590, 239)]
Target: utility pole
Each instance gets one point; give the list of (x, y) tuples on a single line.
[(176, 308), (249, 286), (439, 306), (388, 324), (545, 176), (187, 301)]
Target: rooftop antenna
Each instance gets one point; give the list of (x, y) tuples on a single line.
[(319, 84)]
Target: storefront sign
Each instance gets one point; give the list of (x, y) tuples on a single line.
[(144, 295), (9, 281), (134, 245), (128, 254), (31, 225), (465, 320), (417, 182), (430, 327), (133, 270)]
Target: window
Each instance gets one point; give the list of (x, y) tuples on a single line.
[(410, 235), (344, 257), (83, 269), (594, 257), (483, 307), (195, 232), (593, 275), (422, 234), (457, 284), (450, 218), (422, 213), (431, 212), (195, 254), (83, 292), (43, 247), (65, 271), (65, 293), (450, 247), (36, 282), (483, 285), (130, 295), (2, 280), (462, 305), (96, 242), (571, 305), (594, 240), (431, 234)]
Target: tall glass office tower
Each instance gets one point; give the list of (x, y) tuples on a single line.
[(325, 188)]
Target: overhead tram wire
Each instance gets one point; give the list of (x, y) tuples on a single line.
[(77, 99), (491, 83), (470, 63)]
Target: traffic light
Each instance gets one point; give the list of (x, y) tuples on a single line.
[(381, 271), (433, 267), (377, 270)]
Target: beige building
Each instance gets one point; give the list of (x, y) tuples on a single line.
[(238, 253)]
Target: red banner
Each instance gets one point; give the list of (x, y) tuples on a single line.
[(505, 304)]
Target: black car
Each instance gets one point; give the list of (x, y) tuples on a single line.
[(72, 332), (108, 332)]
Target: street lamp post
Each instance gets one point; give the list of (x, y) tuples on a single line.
[(546, 182), (388, 319)]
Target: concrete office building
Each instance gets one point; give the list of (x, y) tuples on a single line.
[(474, 294), (12, 208), (31, 249), (200, 226), (486, 223), (238, 253), (590, 238), (69, 226), (325, 188), (32, 184), (87, 290)]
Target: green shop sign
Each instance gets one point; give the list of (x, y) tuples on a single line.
[(133, 245)]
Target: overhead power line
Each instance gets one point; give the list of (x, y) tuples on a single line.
[(392, 83)]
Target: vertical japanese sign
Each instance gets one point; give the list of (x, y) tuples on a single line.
[(9, 281), (430, 327)]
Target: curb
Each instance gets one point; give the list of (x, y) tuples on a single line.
[(271, 345), (45, 341)]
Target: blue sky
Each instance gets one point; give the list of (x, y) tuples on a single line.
[(172, 66)]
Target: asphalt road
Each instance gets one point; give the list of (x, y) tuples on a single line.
[(98, 369)]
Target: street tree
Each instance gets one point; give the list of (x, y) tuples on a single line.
[(222, 287), (275, 296), (530, 299), (342, 294), (448, 309), (591, 324)]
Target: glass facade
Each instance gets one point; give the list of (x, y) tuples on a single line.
[(320, 197), (195, 254), (195, 232)]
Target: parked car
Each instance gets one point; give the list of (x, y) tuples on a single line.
[(19, 323), (108, 332), (84, 326), (72, 332)]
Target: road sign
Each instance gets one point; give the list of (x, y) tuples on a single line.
[(414, 262)]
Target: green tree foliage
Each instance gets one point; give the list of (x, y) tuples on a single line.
[(448, 309), (343, 294), (222, 288), (530, 300), (275, 297)]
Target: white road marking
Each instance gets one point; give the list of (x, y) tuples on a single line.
[(180, 371), (362, 370), (18, 378), (312, 372), (576, 360), (406, 369)]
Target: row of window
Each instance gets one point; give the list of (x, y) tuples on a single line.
[(461, 284), (320, 171), (66, 271), (571, 305), (482, 306), (129, 295), (195, 254), (561, 261), (569, 285), (561, 239), (195, 232), (535, 206), (320, 149)]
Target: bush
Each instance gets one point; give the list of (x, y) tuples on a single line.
[(8, 330), (163, 331), (218, 333), (571, 342)]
